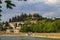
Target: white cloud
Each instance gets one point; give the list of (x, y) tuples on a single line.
[(51, 1), (48, 14), (44, 1), (33, 1), (37, 1)]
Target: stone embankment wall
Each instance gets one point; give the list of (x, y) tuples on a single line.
[(47, 35)]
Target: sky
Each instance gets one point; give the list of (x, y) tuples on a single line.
[(46, 8)]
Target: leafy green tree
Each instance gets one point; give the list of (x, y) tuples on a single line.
[(37, 28), (1, 26), (57, 23), (49, 27), (23, 28)]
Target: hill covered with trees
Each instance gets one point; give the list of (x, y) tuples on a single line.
[(25, 17), (36, 23)]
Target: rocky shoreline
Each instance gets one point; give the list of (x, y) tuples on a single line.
[(45, 35)]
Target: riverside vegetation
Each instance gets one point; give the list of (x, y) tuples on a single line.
[(39, 23)]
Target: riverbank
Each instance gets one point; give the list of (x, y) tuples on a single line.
[(45, 35)]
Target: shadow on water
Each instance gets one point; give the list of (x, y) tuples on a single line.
[(23, 38)]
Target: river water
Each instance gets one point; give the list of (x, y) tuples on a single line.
[(23, 38)]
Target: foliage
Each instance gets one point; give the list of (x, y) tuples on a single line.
[(44, 25), (24, 28)]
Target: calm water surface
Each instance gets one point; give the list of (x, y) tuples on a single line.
[(23, 38)]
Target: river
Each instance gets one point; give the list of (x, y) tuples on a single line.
[(23, 38)]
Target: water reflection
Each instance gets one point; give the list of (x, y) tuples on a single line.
[(23, 38)]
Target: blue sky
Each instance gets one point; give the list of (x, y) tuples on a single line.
[(46, 8)]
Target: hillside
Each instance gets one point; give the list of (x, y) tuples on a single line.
[(31, 23)]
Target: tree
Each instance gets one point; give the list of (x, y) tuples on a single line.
[(57, 24), (0, 16), (3, 23), (30, 16), (1, 27), (48, 27), (9, 5), (24, 28), (10, 20), (7, 24)]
